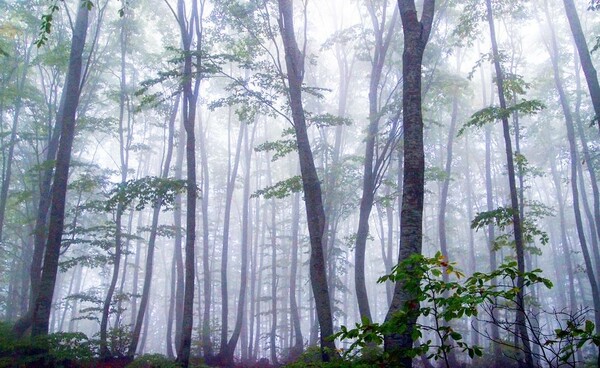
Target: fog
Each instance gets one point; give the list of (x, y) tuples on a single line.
[(190, 217)]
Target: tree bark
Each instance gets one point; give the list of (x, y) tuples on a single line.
[(584, 55), (372, 170), (522, 331), (137, 328), (224, 352), (72, 91), (189, 28), (570, 125), (298, 344), (315, 214), (416, 35)]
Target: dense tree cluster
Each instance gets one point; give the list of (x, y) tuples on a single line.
[(366, 181)]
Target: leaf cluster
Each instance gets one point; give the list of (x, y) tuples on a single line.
[(150, 190), (495, 113), (281, 189), (422, 279)]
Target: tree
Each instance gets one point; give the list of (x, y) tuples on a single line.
[(294, 61), (570, 125), (591, 76), (66, 120), (375, 160), (416, 35), (190, 29), (514, 199)]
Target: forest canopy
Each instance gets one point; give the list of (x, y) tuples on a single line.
[(299, 183)]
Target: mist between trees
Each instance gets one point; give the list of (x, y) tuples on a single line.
[(326, 183)]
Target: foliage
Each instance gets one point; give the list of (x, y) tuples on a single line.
[(56, 350), (148, 190), (152, 361), (443, 301), (312, 357), (281, 189), (502, 217), (494, 113), (578, 332)]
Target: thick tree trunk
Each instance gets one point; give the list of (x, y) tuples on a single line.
[(40, 229), (72, 91), (310, 180), (416, 36)]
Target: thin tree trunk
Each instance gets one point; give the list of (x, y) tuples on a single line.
[(7, 174), (372, 168), (244, 243), (516, 215), (570, 124), (224, 352), (137, 328), (206, 340), (125, 136), (298, 343)]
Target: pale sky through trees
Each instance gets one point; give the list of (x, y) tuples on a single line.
[(137, 104)]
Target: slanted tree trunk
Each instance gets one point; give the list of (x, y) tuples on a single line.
[(40, 228), (7, 175), (416, 35), (125, 137), (224, 352), (514, 199), (584, 55), (227, 352), (372, 170), (294, 60), (72, 91), (570, 124), (137, 328)]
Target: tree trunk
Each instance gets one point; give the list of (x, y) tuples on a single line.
[(310, 180), (72, 91), (206, 341), (190, 97), (372, 173), (516, 216), (231, 345), (6, 177), (416, 36), (125, 136), (584, 55), (224, 352), (135, 335), (574, 188), (298, 344)]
